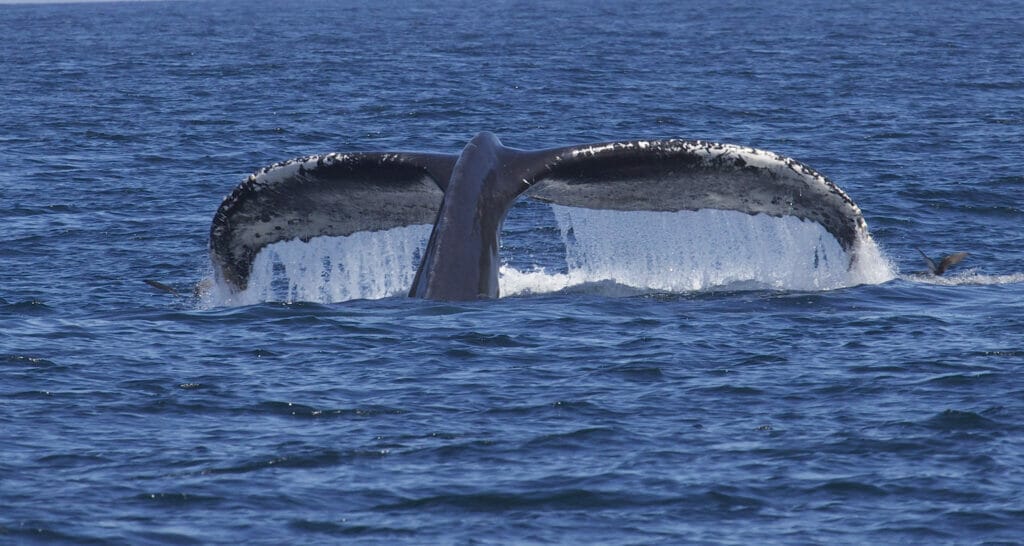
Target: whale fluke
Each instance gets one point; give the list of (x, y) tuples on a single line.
[(676, 175), (467, 196), (944, 264), (325, 195)]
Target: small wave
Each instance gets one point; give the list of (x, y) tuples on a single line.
[(500, 501), (37, 532), (26, 307), (478, 339), (726, 391), (27, 361), (731, 502), (962, 379), (178, 499), (30, 395), (581, 438), (953, 420), (292, 409), (313, 459), (344, 528), (850, 488), (636, 372), (72, 460), (581, 407)]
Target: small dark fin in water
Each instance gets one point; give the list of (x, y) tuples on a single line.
[(928, 262), (949, 261), (944, 264), (162, 287)]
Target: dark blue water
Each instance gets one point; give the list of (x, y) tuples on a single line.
[(877, 413)]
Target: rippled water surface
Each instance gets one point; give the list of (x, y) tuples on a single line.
[(702, 409)]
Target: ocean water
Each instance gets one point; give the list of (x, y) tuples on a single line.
[(646, 378)]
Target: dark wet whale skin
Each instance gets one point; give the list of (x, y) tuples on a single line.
[(461, 261)]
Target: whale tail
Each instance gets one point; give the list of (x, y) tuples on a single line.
[(944, 263), (466, 196)]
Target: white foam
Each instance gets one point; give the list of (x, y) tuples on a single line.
[(513, 282), (967, 277)]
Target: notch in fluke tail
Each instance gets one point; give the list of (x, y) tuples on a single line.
[(466, 196)]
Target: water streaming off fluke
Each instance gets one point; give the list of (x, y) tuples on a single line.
[(636, 251)]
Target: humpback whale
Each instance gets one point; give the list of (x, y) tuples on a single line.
[(466, 197)]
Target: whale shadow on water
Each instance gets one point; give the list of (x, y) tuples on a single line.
[(444, 213)]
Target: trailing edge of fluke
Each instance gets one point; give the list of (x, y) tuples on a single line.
[(466, 196)]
